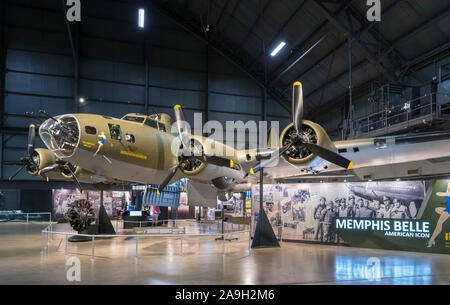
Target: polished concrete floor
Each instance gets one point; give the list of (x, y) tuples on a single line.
[(203, 262)]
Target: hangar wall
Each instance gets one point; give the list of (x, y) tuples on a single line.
[(112, 55)]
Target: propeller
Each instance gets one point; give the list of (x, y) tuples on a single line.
[(27, 161), (298, 140), (191, 153), (30, 164)]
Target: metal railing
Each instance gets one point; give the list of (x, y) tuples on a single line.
[(228, 226), (25, 217), (427, 107), (48, 233)]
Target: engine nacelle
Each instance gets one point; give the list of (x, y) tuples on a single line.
[(68, 175), (42, 158), (192, 166), (311, 132), (223, 183)]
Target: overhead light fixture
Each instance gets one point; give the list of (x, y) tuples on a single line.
[(141, 19), (82, 100), (278, 48)]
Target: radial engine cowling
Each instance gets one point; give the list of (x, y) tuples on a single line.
[(192, 166), (312, 133), (41, 158)]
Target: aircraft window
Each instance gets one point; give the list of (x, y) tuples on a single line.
[(134, 119), (355, 149), (342, 150), (380, 143), (116, 131), (151, 123), (90, 130), (162, 127), (130, 138)]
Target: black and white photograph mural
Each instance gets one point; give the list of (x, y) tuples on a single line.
[(306, 211)]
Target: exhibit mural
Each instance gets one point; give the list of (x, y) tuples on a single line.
[(401, 215), (113, 201)]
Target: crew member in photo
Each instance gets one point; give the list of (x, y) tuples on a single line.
[(318, 227), (326, 218), (351, 206), (343, 208), (358, 206), (387, 206), (365, 211), (380, 210), (398, 211)]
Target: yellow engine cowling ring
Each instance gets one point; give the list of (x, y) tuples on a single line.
[(46, 158), (66, 174), (322, 139), (82, 174)]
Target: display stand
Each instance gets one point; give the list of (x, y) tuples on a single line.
[(264, 235), (102, 225)]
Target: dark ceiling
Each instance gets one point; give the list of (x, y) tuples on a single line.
[(411, 34)]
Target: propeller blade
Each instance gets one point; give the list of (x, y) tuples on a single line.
[(13, 163), (44, 176), (17, 172), (219, 161), (168, 178), (31, 139), (297, 106), (80, 188), (48, 169), (329, 155), (183, 133), (264, 163)]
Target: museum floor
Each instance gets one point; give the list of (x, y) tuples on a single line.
[(203, 262)]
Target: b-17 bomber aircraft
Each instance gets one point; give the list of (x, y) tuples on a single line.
[(137, 149)]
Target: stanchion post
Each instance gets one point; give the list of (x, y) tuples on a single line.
[(48, 238), (93, 248), (66, 250), (27, 218), (223, 243), (181, 246), (137, 246), (249, 235), (42, 241)]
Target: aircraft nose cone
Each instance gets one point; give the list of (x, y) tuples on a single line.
[(61, 135)]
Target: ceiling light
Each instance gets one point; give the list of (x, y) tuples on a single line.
[(141, 20), (82, 100), (278, 48)]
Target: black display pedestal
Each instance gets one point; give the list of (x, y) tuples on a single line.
[(264, 235), (102, 226)]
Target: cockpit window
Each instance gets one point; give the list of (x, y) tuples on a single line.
[(134, 119), (151, 123), (162, 127), (61, 135)]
